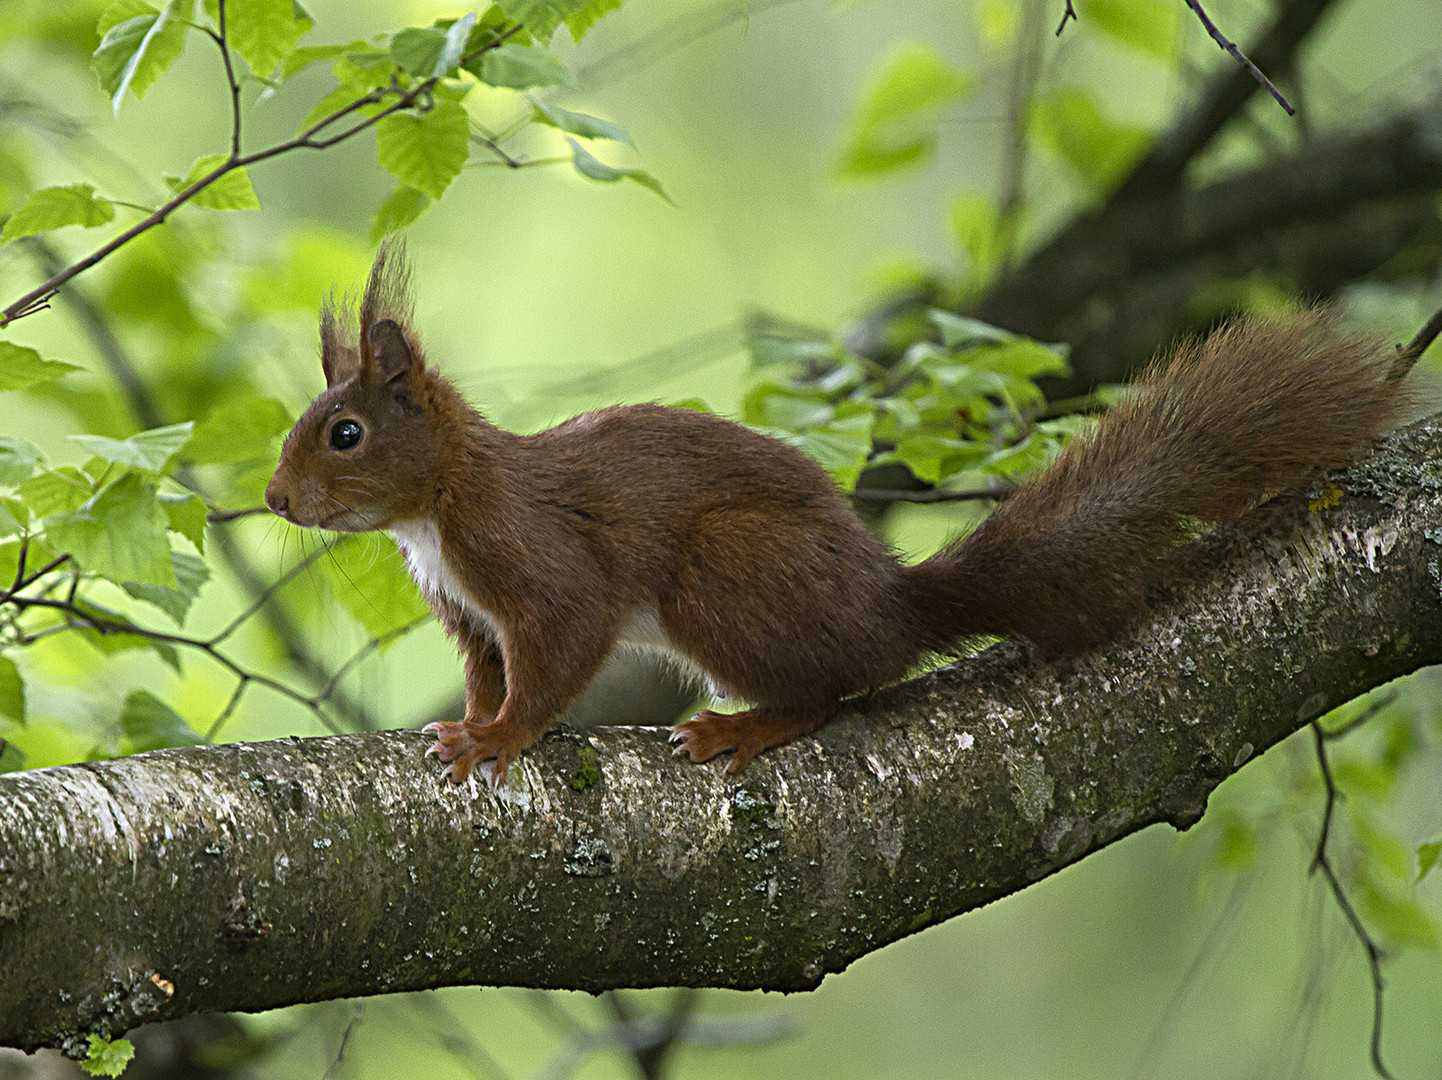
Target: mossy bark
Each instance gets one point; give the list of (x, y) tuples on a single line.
[(248, 876)]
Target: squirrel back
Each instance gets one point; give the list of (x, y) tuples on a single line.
[(1253, 410)]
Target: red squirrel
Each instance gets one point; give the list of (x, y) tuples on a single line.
[(735, 552)]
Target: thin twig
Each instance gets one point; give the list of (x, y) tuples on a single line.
[(222, 40), (358, 1008), (1069, 15), (218, 514), (1412, 352), (1321, 862), (1240, 57), (1361, 718)]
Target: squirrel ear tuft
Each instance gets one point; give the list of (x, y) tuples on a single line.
[(389, 349), (338, 361)]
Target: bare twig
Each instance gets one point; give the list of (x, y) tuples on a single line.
[(1240, 57), (222, 40), (358, 1008), (1067, 16), (1361, 718), (1321, 862), (218, 515), (1412, 352)]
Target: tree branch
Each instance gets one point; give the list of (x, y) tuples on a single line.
[(250, 876), (1117, 283)]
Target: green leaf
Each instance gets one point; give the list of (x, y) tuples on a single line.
[(1149, 26), (1396, 910), (1428, 852), (431, 52), (22, 368), (264, 32), (587, 127), (1071, 123), (400, 209), (119, 11), (18, 459), (593, 168), (957, 330), (896, 123), (238, 430), (56, 491), (416, 49), (457, 35), (370, 580), (190, 574), (187, 515), (136, 52), (55, 208), (425, 152), (520, 66), (776, 405), (975, 223), (587, 15), (842, 449), (932, 458), (541, 17), (1020, 358), (13, 516), (119, 533), (154, 450), (107, 1057), (114, 641), (12, 690), (151, 724), (233, 191), (300, 59)]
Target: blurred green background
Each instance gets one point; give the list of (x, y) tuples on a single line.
[(541, 293)]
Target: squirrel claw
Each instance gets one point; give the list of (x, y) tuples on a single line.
[(461, 745)]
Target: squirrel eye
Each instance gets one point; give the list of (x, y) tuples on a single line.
[(345, 434)]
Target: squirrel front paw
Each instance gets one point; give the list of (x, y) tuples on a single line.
[(460, 745)]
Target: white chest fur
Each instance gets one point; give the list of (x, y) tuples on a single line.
[(420, 543)]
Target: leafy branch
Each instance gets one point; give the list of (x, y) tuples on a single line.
[(81, 615), (310, 139)]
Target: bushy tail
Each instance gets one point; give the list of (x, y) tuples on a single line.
[(1255, 409)]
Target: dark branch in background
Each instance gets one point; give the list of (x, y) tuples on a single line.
[(1119, 283), (1240, 57), (309, 139), (1224, 97), (1320, 861)]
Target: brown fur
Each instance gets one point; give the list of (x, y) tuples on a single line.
[(750, 558)]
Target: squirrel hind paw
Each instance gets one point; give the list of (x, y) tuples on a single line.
[(461, 748), (745, 734)]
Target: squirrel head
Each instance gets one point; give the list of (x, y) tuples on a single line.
[(365, 454)]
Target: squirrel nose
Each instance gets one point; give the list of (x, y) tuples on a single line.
[(278, 504)]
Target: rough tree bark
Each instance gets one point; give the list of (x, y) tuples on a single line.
[(248, 876)]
